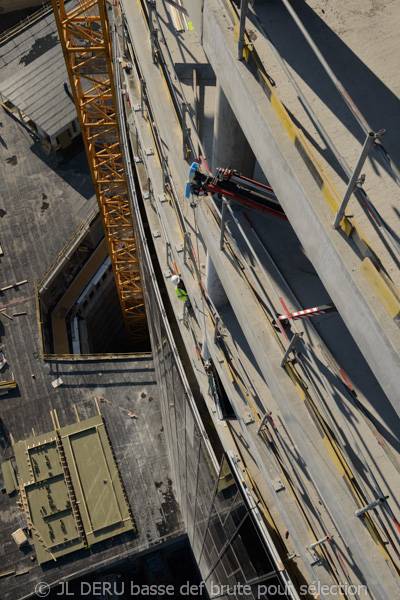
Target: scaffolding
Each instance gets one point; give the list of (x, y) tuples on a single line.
[(85, 38)]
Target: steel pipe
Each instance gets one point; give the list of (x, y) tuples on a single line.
[(353, 180)]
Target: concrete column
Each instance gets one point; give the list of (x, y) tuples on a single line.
[(217, 294), (213, 284), (230, 147)]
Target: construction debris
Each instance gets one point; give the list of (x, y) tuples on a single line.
[(8, 385), (19, 537), (57, 382), (8, 287), (104, 400), (7, 573)]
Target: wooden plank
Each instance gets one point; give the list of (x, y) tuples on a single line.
[(56, 418), (76, 413), (52, 418), (8, 287), (8, 385), (177, 7), (7, 573)]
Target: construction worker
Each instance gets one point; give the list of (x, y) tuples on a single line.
[(196, 182), (181, 290)]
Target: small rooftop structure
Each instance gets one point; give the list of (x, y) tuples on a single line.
[(19, 537), (70, 488), (41, 95)]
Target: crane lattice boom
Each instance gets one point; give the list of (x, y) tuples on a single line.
[(85, 38)]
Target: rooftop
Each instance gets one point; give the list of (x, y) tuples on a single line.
[(38, 91), (71, 489)]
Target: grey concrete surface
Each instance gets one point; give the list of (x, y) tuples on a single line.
[(166, 121), (337, 266), (230, 147)]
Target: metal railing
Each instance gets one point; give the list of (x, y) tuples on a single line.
[(23, 24)]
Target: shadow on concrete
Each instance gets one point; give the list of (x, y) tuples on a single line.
[(178, 35), (113, 546), (72, 166), (375, 100)]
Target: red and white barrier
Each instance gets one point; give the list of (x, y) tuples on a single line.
[(309, 312)]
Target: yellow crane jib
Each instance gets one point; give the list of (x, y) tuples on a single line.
[(86, 42)]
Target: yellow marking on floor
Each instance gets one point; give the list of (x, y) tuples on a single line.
[(380, 287)]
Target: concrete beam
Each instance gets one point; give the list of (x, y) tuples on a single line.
[(333, 255)]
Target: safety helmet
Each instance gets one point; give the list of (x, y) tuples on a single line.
[(175, 279)]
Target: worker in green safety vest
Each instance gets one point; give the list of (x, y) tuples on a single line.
[(180, 290)]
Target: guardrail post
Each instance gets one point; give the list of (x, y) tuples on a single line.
[(243, 11), (151, 5), (216, 330), (361, 511), (223, 221), (371, 137), (325, 539), (164, 163), (290, 348), (142, 94)]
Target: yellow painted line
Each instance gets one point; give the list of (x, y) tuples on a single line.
[(377, 539), (380, 287)]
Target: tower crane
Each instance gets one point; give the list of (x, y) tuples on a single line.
[(85, 38)]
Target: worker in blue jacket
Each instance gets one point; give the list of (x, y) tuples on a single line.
[(180, 290)]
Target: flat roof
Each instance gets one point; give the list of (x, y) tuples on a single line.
[(71, 489), (38, 91)]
